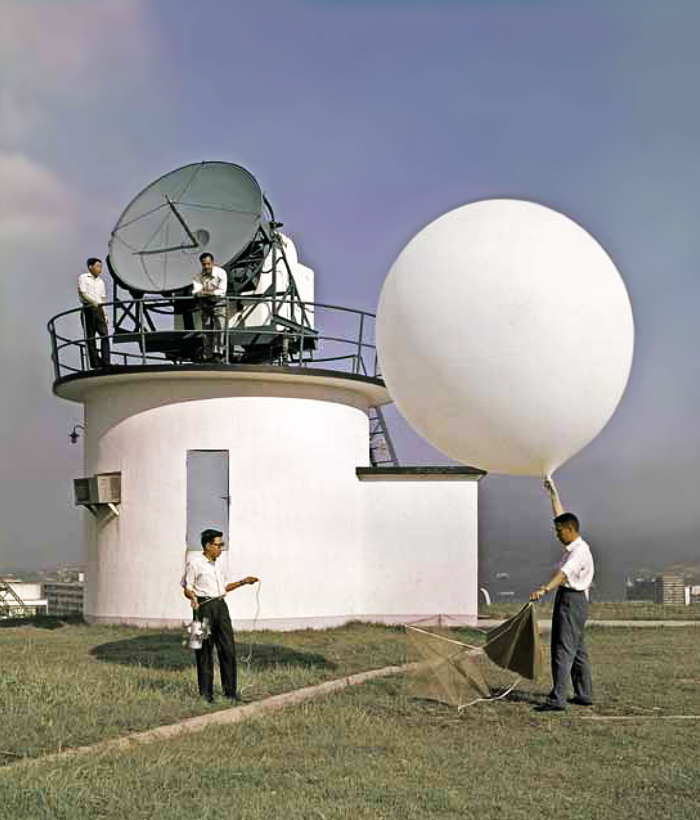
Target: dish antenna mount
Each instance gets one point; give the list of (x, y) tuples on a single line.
[(214, 207)]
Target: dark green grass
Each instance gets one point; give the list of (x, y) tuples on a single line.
[(603, 611), (371, 753), (64, 685)]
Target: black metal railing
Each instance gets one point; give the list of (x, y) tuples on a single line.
[(157, 331)]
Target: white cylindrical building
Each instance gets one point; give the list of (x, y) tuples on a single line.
[(283, 455)]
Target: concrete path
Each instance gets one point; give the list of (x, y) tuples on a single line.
[(235, 714)]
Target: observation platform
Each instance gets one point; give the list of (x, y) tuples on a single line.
[(149, 341)]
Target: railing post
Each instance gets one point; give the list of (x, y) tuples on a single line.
[(274, 277), (359, 344), (54, 351), (142, 332), (301, 341), (226, 348)]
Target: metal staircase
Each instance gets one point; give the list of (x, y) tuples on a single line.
[(381, 450)]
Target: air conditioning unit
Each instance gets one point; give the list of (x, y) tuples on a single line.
[(103, 488), (108, 488), (84, 490)]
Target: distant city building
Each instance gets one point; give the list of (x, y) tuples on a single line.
[(19, 599), (666, 588), (641, 589), (670, 589), (65, 597), (67, 575)]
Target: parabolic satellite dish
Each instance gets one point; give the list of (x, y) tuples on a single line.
[(207, 206)]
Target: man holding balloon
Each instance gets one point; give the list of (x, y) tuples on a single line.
[(481, 360), (571, 581)]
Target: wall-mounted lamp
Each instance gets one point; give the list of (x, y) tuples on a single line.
[(74, 435)]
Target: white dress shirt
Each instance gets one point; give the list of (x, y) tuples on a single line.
[(577, 565), (214, 285), (203, 577), (91, 289)]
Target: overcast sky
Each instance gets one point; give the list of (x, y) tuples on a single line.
[(363, 121)]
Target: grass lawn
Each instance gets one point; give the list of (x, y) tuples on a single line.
[(368, 752), (64, 685)]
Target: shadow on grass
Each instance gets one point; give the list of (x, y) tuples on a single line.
[(165, 651), (42, 621)]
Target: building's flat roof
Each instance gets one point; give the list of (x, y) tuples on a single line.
[(419, 473), (76, 386)]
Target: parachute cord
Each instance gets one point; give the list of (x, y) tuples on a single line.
[(489, 700), (442, 637), (248, 657)]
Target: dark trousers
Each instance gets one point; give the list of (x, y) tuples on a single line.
[(94, 321), (221, 636), (569, 656), (213, 321)]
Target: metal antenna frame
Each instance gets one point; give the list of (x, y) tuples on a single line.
[(135, 318)]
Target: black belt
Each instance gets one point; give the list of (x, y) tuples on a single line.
[(573, 591)]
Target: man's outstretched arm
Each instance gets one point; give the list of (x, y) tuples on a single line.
[(557, 507), (249, 579)]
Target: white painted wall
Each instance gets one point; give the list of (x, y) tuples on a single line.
[(327, 546), (294, 498), (420, 549)]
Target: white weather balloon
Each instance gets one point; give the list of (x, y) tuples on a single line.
[(505, 336)]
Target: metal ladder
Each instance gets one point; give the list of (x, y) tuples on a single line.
[(11, 605), (381, 449)]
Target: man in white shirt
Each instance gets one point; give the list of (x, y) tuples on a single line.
[(572, 581), (209, 286), (93, 297), (205, 587)]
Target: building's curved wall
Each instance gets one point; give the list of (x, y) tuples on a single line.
[(295, 499), (327, 546)]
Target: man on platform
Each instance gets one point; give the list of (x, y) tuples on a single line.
[(209, 286), (93, 297), (205, 587), (571, 581)]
